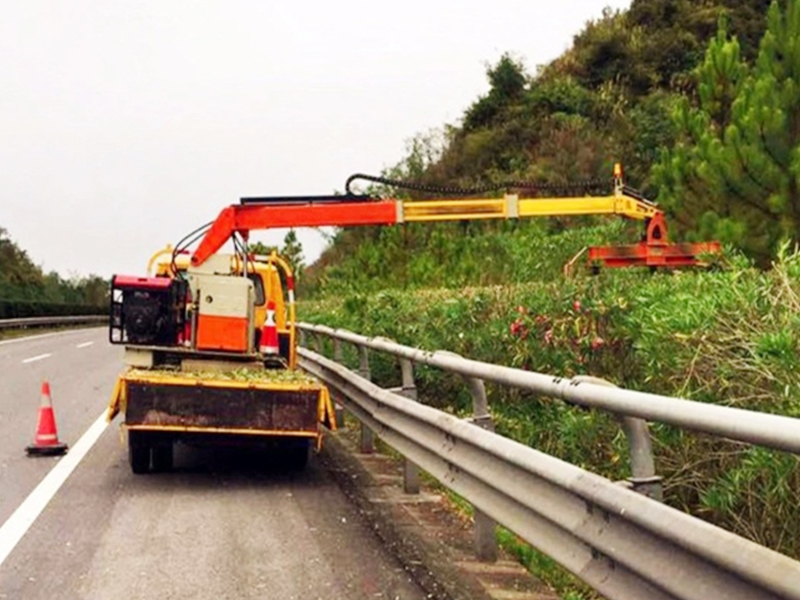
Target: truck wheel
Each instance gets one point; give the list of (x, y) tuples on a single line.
[(162, 457), (138, 453)]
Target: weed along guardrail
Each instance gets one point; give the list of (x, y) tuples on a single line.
[(51, 321), (624, 544)]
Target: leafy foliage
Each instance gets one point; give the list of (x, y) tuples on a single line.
[(508, 81)]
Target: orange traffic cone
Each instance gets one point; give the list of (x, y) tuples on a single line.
[(269, 332), (46, 443)]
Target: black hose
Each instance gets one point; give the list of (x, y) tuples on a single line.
[(471, 191), (183, 244)]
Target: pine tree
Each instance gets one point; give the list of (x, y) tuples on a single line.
[(292, 251), (261, 249), (734, 175)]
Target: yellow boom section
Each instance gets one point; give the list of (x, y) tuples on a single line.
[(511, 207), (454, 210)]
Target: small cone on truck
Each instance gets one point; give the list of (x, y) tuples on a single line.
[(269, 332), (46, 442)]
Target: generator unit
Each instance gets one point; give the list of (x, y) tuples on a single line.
[(147, 311), (207, 309)]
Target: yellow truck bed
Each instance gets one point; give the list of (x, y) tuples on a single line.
[(165, 406)]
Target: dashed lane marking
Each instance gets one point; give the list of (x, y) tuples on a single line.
[(26, 513), (84, 345), (35, 358)]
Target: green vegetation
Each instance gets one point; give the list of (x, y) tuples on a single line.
[(699, 100), (291, 251), (734, 173), (25, 291), (703, 121), (243, 375), (419, 256), (728, 337)]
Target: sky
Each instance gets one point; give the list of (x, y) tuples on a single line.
[(126, 124)]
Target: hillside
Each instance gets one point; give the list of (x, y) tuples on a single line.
[(647, 87)]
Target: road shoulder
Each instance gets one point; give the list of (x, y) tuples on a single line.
[(425, 531)]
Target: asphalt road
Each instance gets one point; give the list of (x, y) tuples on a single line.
[(222, 525)]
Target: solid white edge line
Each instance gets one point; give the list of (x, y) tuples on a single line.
[(26, 513), (35, 358), (84, 345)]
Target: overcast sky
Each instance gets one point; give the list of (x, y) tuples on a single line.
[(125, 124)]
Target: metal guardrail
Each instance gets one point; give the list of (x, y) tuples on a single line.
[(48, 321), (770, 431), (623, 544)]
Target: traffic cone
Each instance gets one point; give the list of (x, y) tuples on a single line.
[(46, 443), (269, 332)]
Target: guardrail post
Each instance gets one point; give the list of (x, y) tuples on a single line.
[(303, 337), (485, 535), (338, 409), (640, 448), (363, 362), (411, 484), (317, 342), (409, 387), (644, 479), (485, 526), (367, 436)]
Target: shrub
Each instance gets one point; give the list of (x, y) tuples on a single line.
[(728, 337)]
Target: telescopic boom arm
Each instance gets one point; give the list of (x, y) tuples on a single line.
[(347, 211)]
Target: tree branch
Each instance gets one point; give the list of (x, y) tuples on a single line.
[(783, 167), (747, 170), (731, 186)]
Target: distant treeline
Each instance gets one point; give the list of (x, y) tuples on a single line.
[(25, 291)]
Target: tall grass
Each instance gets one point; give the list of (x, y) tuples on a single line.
[(454, 255), (728, 337)]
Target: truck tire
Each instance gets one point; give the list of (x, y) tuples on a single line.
[(138, 453), (162, 457)]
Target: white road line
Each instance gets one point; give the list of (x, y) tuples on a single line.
[(26, 513), (84, 345), (35, 358)]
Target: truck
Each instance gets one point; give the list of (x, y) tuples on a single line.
[(210, 357), (210, 337)]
